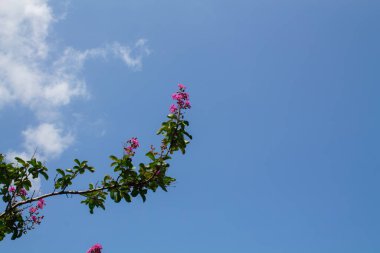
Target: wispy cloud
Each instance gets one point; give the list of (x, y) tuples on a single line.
[(131, 56), (30, 76)]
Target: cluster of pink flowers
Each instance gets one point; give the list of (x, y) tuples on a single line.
[(182, 99), (95, 249), (133, 144), (21, 192), (34, 213), (12, 189)]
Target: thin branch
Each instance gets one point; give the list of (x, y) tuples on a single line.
[(48, 195)]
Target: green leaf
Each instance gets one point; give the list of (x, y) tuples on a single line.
[(45, 175), (188, 135), (135, 192), (114, 158), (60, 171), (143, 197), (127, 198), (77, 161), (162, 185), (107, 178), (112, 195), (151, 155), (117, 197)]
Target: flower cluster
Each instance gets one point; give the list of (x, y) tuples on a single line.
[(21, 192), (182, 99), (12, 189), (34, 212), (95, 249), (133, 144)]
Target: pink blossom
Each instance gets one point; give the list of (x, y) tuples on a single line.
[(182, 98), (12, 189), (173, 108), (181, 86), (41, 203), (32, 210), (185, 95), (177, 96), (23, 192), (95, 249), (134, 142), (36, 219)]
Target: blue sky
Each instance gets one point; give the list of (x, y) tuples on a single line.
[(285, 120)]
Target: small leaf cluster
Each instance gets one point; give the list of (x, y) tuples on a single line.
[(65, 178), (174, 132)]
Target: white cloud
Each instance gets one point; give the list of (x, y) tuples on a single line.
[(25, 75), (31, 77), (131, 56), (48, 139), (24, 27)]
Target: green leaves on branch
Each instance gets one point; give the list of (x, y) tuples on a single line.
[(65, 178), (19, 175), (174, 132), (94, 199), (124, 183), (15, 181), (129, 182)]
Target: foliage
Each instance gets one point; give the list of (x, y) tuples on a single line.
[(22, 208)]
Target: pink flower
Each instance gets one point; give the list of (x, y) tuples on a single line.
[(23, 192), (12, 189), (134, 142), (177, 96), (32, 210), (95, 249), (185, 96), (182, 98), (187, 104), (173, 108), (181, 86), (34, 218), (41, 203)]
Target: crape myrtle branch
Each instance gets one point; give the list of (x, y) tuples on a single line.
[(129, 183)]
